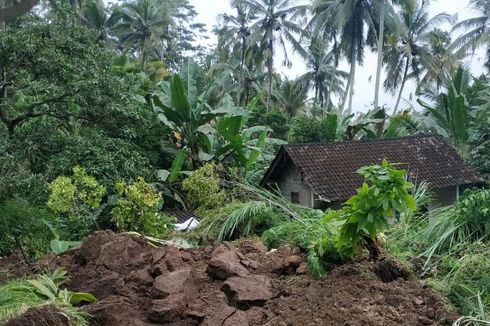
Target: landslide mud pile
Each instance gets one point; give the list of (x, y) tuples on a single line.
[(139, 285)]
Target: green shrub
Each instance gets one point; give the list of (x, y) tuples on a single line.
[(137, 208), (22, 227), (76, 199), (365, 215), (203, 187)]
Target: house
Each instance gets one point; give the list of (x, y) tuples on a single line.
[(324, 175)]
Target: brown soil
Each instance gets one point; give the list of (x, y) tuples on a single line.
[(45, 315), (139, 285)]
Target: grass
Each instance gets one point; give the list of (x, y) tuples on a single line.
[(17, 296), (454, 242)]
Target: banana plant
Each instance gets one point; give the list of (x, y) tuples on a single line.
[(188, 115), (450, 115)]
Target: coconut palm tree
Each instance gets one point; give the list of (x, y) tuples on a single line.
[(145, 24), (234, 34), (323, 76), (349, 19), (405, 55), (274, 25), (476, 30), (97, 17), (291, 96)]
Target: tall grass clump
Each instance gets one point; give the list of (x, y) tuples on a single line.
[(453, 244), (468, 220), (240, 219)]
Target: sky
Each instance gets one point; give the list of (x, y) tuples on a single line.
[(208, 11)]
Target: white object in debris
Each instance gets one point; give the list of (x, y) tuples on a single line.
[(187, 225)]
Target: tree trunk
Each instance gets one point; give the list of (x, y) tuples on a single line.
[(347, 88), (351, 93), (17, 242), (373, 247), (270, 67), (330, 84), (395, 110), (380, 53)]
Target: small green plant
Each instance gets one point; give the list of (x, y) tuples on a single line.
[(48, 288), (203, 187), (365, 215), (137, 208), (19, 295)]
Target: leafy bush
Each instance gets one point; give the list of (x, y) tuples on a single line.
[(22, 228), (306, 234), (365, 215), (137, 208), (203, 187), (77, 197)]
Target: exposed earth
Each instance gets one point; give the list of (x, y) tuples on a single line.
[(136, 284)]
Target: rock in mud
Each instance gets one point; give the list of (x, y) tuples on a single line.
[(167, 259), (225, 265), (170, 309), (247, 291), (182, 281)]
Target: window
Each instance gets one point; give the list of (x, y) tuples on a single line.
[(295, 197)]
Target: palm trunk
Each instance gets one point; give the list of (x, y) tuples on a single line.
[(347, 88), (351, 93), (330, 85), (395, 111), (380, 53), (270, 67)]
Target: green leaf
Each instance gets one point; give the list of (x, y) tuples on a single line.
[(179, 98), (79, 297), (177, 165), (58, 246), (163, 175)]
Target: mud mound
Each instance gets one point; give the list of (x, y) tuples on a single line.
[(224, 285), (45, 315)]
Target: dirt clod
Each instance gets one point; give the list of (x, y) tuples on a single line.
[(41, 316)]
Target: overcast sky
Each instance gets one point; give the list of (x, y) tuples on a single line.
[(365, 76)]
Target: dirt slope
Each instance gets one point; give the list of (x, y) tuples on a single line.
[(139, 285)]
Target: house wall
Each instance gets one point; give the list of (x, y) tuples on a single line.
[(445, 196), (290, 180)]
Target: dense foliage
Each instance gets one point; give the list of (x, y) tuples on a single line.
[(113, 115)]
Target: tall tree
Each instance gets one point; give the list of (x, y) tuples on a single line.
[(322, 75), (99, 18), (144, 23), (476, 30), (350, 18), (405, 54), (274, 25)]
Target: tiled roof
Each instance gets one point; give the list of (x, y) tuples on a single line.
[(330, 169)]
